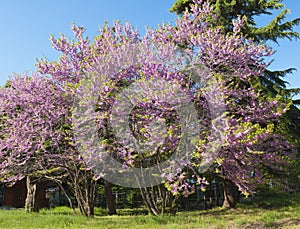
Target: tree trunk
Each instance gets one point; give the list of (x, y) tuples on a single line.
[(84, 187), (149, 200), (110, 202), (159, 201), (85, 203), (31, 202), (230, 194)]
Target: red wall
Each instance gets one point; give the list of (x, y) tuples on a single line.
[(15, 196)]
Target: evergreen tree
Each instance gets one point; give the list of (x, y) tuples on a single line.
[(278, 28)]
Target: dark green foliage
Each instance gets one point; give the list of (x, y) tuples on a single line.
[(228, 10), (278, 28)]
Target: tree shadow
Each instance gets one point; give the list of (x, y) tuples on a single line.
[(285, 223)]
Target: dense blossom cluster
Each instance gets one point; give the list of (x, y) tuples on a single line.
[(33, 109), (37, 110)]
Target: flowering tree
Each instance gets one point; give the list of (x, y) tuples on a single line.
[(277, 28), (37, 142), (233, 59), (145, 114), (251, 147), (33, 110)]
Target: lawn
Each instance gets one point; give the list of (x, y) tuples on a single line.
[(271, 212)]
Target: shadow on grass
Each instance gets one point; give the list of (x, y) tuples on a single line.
[(128, 211), (284, 223), (7, 208), (272, 202), (220, 211)]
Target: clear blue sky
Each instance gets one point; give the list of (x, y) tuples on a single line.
[(27, 25)]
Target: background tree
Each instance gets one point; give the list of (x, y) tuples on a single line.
[(249, 10)]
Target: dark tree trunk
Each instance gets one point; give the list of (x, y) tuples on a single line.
[(85, 187), (150, 200), (31, 202), (230, 194), (159, 201), (110, 201)]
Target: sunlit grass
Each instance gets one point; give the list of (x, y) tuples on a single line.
[(272, 212)]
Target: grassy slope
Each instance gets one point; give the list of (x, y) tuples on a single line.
[(271, 212)]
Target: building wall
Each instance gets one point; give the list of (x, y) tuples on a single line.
[(15, 196)]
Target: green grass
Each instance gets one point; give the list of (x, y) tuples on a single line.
[(269, 212)]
